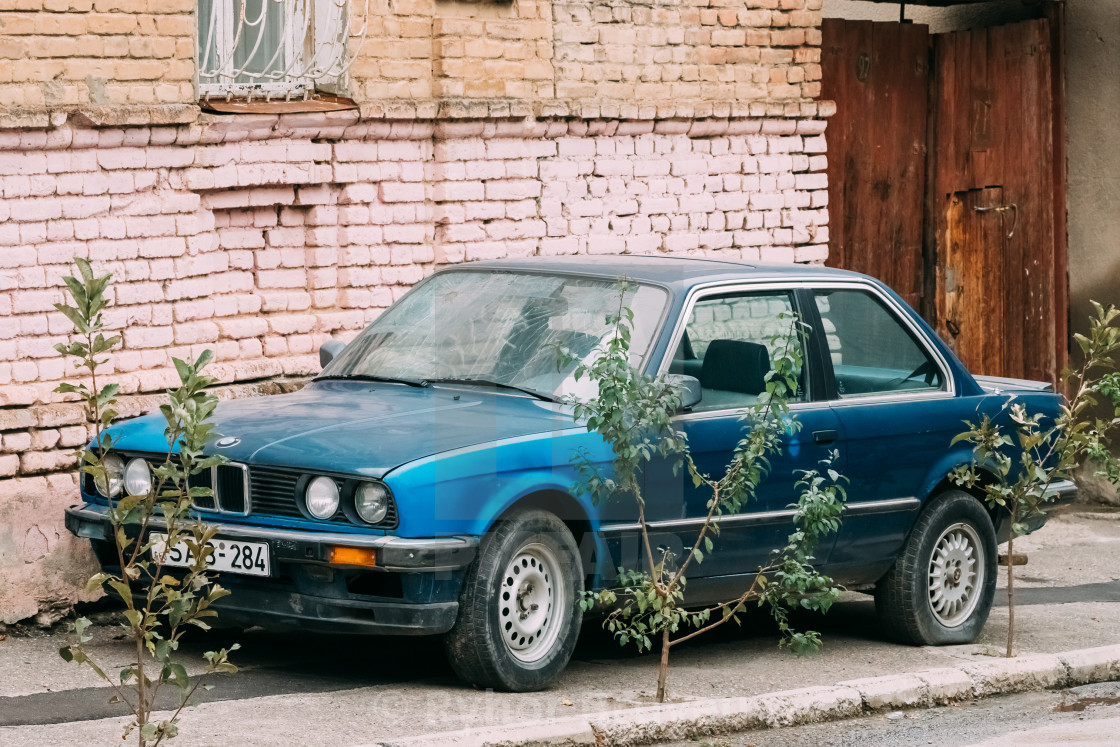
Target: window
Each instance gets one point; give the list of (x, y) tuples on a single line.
[(873, 352), (729, 344), (272, 48)]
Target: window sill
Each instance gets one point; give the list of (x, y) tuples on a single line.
[(322, 102)]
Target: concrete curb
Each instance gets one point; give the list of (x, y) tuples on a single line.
[(682, 721)]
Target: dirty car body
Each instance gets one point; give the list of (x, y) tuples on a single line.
[(422, 483)]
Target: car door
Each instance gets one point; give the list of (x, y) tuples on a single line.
[(895, 398), (727, 342)]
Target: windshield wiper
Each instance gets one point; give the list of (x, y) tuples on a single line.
[(422, 383), (490, 382)]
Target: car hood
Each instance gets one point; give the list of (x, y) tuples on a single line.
[(359, 427)]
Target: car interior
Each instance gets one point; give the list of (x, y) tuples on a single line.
[(732, 373)]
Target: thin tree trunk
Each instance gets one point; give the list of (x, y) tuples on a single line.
[(141, 694), (663, 669), (1011, 587)]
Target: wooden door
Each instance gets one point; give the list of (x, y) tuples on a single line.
[(929, 129), (878, 75), (996, 257)]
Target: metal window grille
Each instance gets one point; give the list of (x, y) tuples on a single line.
[(276, 48)]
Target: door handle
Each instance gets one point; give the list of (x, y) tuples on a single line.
[(825, 437), (1012, 208)]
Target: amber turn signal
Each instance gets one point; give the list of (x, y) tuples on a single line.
[(351, 556)]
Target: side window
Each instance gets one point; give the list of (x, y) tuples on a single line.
[(873, 352), (729, 344)]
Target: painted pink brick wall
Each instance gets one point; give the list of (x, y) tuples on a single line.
[(261, 237)]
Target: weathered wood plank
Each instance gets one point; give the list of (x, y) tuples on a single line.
[(1001, 77), (878, 75)]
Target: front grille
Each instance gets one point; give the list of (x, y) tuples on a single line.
[(230, 486), (259, 491), (203, 479), (274, 492)]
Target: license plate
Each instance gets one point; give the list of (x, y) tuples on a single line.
[(226, 556)]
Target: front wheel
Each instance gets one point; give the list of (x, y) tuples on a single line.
[(519, 613), (940, 589)]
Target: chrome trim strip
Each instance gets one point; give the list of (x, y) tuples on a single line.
[(760, 517), (88, 512), (861, 508), (732, 286), (874, 399), (713, 414), (864, 508)]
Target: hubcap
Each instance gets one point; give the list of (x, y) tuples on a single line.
[(956, 570), (532, 604)]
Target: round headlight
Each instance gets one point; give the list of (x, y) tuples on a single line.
[(321, 498), (371, 502), (114, 474), (137, 477)]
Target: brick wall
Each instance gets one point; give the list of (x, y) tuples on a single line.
[(667, 59), (116, 61), (605, 58), (113, 62), (260, 237)]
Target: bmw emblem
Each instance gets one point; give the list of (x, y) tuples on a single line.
[(228, 441)]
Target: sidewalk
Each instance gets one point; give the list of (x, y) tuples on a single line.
[(339, 691)]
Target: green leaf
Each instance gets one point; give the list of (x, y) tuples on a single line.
[(179, 676), (80, 626)]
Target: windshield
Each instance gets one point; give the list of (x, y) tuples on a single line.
[(500, 327)]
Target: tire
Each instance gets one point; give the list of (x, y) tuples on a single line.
[(940, 589), (519, 614)]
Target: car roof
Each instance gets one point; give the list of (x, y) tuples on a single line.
[(665, 269)]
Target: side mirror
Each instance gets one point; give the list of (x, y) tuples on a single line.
[(691, 393), (329, 351)]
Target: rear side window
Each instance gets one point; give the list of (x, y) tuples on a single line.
[(873, 351)]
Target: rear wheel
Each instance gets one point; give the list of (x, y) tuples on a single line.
[(940, 589), (519, 611)]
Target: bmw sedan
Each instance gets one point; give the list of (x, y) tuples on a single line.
[(422, 484)]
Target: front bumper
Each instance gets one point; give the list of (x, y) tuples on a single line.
[(306, 592)]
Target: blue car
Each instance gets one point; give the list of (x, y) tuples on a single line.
[(421, 484)]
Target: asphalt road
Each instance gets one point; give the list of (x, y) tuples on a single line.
[(1088, 715), (346, 690)]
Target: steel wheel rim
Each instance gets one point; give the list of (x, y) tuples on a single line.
[(532, 603), (956, 574)]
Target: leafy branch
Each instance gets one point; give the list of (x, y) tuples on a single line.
[(634, 414), (159, 604), (1018, 456)]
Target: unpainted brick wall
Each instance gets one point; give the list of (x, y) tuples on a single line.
[(603, 58), (644, 58), (116, 61)]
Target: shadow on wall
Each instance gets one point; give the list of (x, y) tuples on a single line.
[(938, 19)]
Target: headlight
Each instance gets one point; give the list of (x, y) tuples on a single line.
[(137, 477), (321, 498), (371, 502), (114, 474)]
